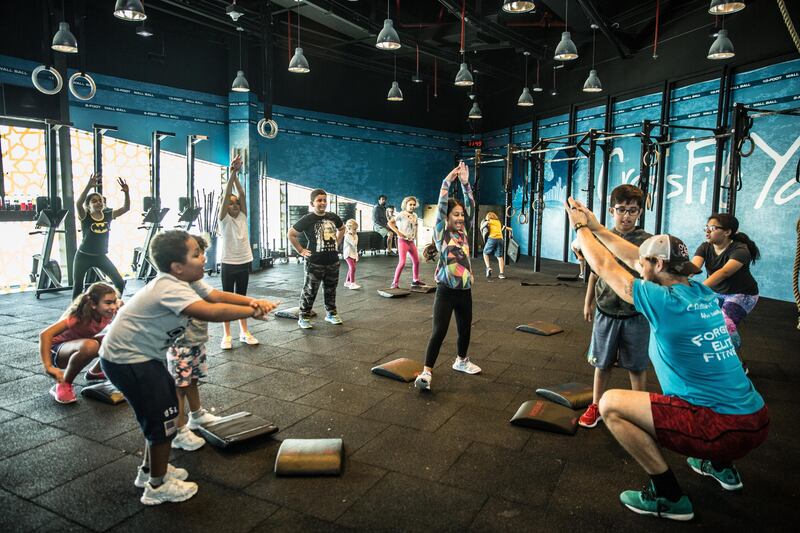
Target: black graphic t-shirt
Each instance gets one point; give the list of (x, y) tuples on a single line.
[(320, 230), (95, 233)]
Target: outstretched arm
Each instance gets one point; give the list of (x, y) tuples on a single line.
[(240, 191), (469, 199), (441, 212), (627, 252), (729, 269), (126, 206), (93, 181), (236, 164)]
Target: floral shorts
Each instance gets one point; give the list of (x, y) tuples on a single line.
[(187, 363)]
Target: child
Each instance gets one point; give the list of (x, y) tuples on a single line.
[(186, 360), (133, 353), (70, 344), (389, 235), (404, 224), (494, 243), (453, 277), (620, 334), (350, 253), (324, 232)]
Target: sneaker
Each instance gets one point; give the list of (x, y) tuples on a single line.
[(463, 364), (394, 286), (94, 376), (225, 344), (418, 283), (173, 490), (646, 502), (202, 418), (591, 417), (63, 393), (248, 338), (347, 285), (727, 477), (333, 318), (143, 477), (423, 381), (488, 272), (354, 286), (304, 323), (186, 440), (501, 276)]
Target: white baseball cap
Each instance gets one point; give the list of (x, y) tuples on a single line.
[(672, 250)]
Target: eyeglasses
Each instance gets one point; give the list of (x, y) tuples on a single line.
[(629, 210), (709, 229)]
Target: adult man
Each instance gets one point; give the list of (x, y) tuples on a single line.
[(709, 409), (380, 222)]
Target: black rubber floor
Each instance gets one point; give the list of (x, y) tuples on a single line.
[(445, 461)]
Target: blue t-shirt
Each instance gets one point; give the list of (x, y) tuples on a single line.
[(691, 350)]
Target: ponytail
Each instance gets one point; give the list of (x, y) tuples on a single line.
[(81, 306), (430, 253), (755, 254)]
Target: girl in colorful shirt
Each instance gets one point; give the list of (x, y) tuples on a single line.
[(404, 224), (70, 344), (350, 253), (453, 276)]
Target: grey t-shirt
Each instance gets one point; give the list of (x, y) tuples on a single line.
[(741, 281), (147, 325), (607, 300)]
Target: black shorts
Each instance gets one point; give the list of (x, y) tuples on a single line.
[(235, 278), (150, 391)]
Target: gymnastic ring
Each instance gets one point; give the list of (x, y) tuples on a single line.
[(651, 157), (270, 133), (35, 79), (522, 218), (510, 212), (89, 80), (751, 147)]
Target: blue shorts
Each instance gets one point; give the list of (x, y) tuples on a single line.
[(621, 341), (493, 247), (54, 353), (150, 391)]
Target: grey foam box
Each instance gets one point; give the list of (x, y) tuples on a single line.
[(424, 289), (236, 428), (573, 395), (540, 327), (402, 369), (548, 416), (310, 457), (292, 313), (394, 293), (105, 391)]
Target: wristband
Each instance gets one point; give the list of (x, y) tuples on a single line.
[(580, 225)]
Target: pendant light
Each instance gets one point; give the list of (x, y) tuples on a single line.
[(299, 63), (240, 84), (518, 6), (131, 10), (143, 30), (566, 50), (537, 87), (464, 76), (233, 12), (525, 99), (395, 94), (722, 48), (388, 38), (64, 41), (416, 78), (475, 110), (725, 7), (592, 83), (554, 90)]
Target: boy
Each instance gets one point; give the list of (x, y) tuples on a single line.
[(620, 334), (324, 232), (133, 353)]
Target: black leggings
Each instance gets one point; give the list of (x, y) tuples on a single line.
[(235, 278), (447, 302), (83, 262)]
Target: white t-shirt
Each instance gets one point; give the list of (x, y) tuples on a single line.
[(235, 240), (350, 246), (407, 223), (151, 321)]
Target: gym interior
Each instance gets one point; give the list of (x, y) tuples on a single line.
[(167, 107)]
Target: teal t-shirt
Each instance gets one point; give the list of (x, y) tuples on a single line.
[(691, 350)]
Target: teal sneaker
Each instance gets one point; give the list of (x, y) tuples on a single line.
[(304, 323), (727, 477), (646, 502), (333, 318)]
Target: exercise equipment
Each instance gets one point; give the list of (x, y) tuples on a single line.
[(236, 428), (105, 392), (513, 250), (310, 457), (292, 313), (423, 289), (547, 416), (573, 395), (188, 211), (402, 369), (540, 327), (394, 293), (568, 277)]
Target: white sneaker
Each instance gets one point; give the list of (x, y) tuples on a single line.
[(202, 418), (423, 381), (172, 472), (354, 286), (173, 490), (347, 285), (226, 342), (186, 440), (248, 338), (466, 366)]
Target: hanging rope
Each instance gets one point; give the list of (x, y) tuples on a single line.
[(789, 25), (524, 210), (655, 38), (796, 274), (463, 11)]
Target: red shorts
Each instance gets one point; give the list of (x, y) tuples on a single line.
[(700, 432)]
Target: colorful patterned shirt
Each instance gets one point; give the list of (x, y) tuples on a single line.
[(454, 269)]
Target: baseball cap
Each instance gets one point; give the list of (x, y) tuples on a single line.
[(672, 250)]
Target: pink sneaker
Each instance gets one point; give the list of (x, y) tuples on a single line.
[(63, 393)]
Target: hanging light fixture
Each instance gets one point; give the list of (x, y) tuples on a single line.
[(233, 12), (464, 76), (143, 30), (388, 38), (240, 84), (475, 110), (566, 50), (537, 88), (725, 7), (518, 6), (395, 94), (64, 40), (554, 90), (722, 48), (299, 63), (525, 99), (132, 10), (592, 83), (416, 78)]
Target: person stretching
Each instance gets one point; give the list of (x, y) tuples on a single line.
[(453, 277), (709, 409), (350, 253), (404, 224), (494, 243)]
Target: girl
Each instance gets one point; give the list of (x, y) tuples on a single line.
[(95, 219), (350, 253), (404, 224), (494, 243), (453, 276), (186, 360), (727, 255), (70, 344)]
